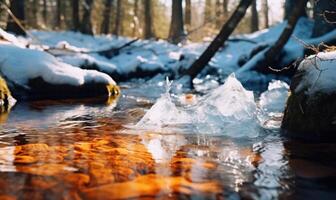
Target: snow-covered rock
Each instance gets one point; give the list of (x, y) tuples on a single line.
[(311, 107), (41, 75)]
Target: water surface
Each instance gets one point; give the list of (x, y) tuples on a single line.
[(84, 150)]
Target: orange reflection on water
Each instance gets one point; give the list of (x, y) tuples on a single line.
[(111, 167)]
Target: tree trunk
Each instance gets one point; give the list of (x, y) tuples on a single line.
[(149, 33), (218, 42), (254, 17), (86, 26), (117, 23), (17, 8), (325, 17), (105, 27), (75, 15), (44, 12), (226, 9), (289, 7), (265, 13), (135, 18), (273, 54), (218, 14), (208, 17), (58, 13), (35, 10), (176, 32), (187, 14)]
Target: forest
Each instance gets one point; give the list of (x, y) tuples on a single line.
[(167, 99)]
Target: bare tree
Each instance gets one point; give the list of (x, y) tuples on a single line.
[(218, 14), (254, 17), (208, 16), (149, 33), (265, 13), (35, 11), (45, 11), (75, 15), (289, 7), (58, 13), (17, 8), (105, 27), (187, 14), (117, 22), (273, 53), (324, 17), (86, 25), (176, 32), (226, 9), (135, 17), (219, 40)]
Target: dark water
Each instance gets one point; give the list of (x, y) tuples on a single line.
[(82, 150)]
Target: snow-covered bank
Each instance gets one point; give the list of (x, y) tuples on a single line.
[(148, 58), (21, 67), (151, 57)]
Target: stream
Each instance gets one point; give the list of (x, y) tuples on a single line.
[(94, 149)]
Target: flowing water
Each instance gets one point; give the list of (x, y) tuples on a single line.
[(92, 150)]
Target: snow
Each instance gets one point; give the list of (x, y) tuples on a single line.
[(29, 64), (319, 74), (161, 56), (11, 39)]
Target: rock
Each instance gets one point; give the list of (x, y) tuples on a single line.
[(41, 89), (6, 99), (311, 107), (34, 74)]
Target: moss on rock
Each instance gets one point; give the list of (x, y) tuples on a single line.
[(5, 95)]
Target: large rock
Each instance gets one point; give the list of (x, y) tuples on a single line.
[(311, 106)]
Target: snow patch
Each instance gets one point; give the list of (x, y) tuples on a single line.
[(319, 74), (20, 65)]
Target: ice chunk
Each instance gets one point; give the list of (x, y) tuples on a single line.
[(228, 110), (163, 113), (274, 99), (232, 100), (272, 103)]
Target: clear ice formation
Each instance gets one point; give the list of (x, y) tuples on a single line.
[(228, 110), (272, 104), (163, 113), (274, 99)]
